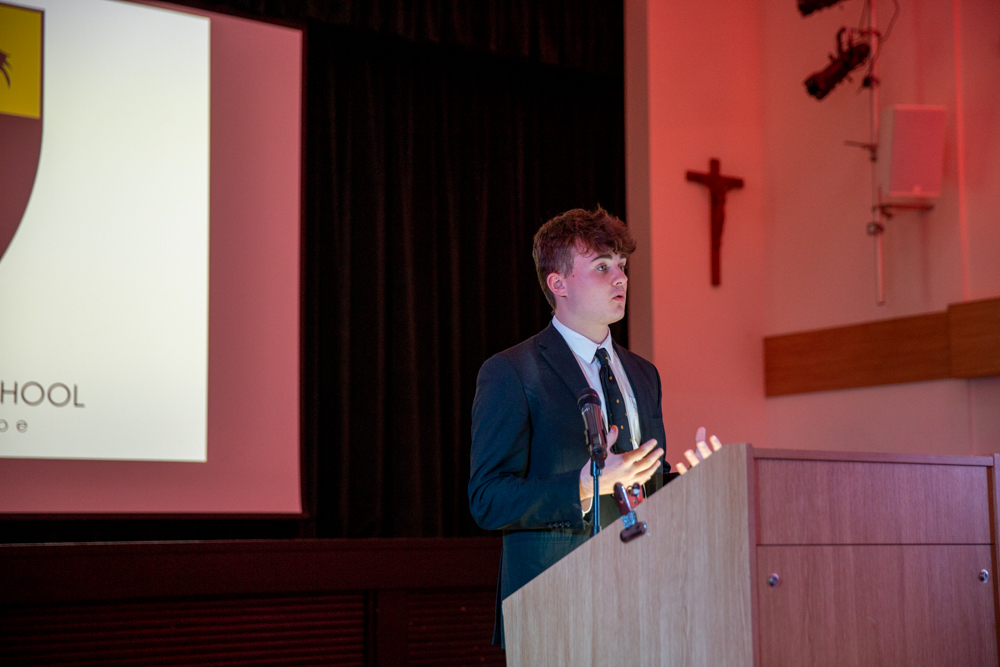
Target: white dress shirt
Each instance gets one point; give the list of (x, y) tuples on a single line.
[(585, 351)]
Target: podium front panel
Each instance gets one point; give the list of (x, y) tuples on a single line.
[(876, 605)]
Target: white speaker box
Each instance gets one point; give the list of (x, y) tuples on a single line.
[(911, 150)]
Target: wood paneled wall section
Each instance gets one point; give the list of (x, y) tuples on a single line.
[(300, 629), (310, 602), (975, 338), (962, 342)]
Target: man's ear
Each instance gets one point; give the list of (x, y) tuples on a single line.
[(556, 284)]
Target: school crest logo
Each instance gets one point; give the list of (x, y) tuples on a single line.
[(20, 113)]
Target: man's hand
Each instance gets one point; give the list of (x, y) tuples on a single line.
[(638, 465), (701, 450)]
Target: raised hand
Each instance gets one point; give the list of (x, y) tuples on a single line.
[(701, 451), (632, 467)]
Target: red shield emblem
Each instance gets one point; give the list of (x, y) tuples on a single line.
[(20, 113)]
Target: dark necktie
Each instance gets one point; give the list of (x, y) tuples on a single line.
[(615, 400)]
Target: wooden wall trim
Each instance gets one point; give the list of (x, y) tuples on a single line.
[(962, 342), (43, 574), (974, 335)]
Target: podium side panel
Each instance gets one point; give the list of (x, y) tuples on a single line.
[(679, 595), (876, 605), (853, 502)]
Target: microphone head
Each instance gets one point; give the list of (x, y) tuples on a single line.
[(587, 397)]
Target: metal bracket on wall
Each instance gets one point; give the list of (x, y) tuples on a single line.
[(889, 209)]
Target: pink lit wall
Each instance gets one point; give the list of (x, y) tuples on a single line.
[(725, 79), (820, 263), (703, 101)]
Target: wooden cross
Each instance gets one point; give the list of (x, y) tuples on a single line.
[(717, 185)]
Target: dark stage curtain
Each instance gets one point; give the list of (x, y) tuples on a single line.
[(439, 136), (440, 170)]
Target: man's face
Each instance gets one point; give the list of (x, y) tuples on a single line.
[(595, 289)]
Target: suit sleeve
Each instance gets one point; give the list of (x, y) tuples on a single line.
[(502, 495), (658, 431), (663, 475)]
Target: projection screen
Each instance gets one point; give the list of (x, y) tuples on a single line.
[(149, 261)]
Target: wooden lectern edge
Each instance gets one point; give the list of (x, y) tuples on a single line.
[(753, 516), (871, 457), (995, 526)]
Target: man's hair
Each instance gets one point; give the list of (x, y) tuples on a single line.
[(585, 231)]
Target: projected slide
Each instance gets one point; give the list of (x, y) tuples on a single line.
[(104, 278), (150, 213)]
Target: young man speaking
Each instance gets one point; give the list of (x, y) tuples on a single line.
[(530, 468)]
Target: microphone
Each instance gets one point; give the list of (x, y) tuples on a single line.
[(593, 421)]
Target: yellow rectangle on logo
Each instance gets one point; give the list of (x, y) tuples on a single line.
[(20, 61)]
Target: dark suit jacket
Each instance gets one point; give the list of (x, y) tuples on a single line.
[(528, 447)]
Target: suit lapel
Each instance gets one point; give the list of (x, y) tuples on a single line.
[(556, 352)]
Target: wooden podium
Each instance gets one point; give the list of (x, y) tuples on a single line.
[(774, 557)]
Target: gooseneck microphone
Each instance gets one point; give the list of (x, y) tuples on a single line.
[(590, 407), (597, 442)]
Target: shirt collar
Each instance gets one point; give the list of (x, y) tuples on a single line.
[(582, 346)]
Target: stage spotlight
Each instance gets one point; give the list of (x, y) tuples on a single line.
[(848, 58), (807, 7)]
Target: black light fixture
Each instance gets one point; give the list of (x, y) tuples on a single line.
[(807, 7), (849, 57)]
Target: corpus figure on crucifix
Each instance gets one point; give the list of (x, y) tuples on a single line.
[(717, 185)]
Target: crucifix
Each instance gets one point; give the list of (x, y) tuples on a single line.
[(717, 185)]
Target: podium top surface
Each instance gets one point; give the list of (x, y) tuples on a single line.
[(870, 457)]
